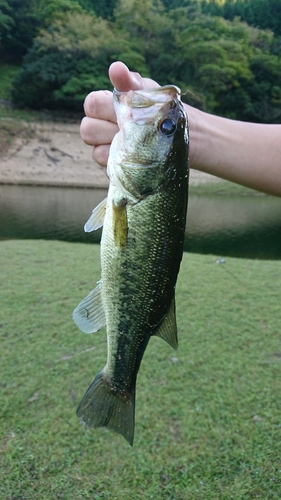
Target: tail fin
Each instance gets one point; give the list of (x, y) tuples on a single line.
[(104, 406)]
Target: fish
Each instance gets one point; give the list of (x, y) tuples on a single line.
[(143, 219)]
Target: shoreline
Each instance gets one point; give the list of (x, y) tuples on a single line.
[(54, 155)]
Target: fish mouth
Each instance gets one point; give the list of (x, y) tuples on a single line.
[(147, 97), (142, 106)]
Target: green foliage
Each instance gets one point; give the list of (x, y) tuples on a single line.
[(7, 74), (175, 4), (19, 33), (5, 17), (227, 67), (66, 60), (70, 58), (214, 60), (266, 89), (101, 8), (265, 14), (51, 10), (147, 28), (26, 20), (207, 416)]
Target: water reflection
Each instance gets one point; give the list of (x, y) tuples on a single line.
[(46, 212), (240, 226)]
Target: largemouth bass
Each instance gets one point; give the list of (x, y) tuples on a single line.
[(143, 220)]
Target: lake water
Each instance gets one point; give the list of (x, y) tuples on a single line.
[(223, 225)]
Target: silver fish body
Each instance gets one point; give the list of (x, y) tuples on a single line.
[(143, 220)]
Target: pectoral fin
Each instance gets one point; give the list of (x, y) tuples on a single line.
[(97, 217), (89, 315), (120, 222), (168, 327)]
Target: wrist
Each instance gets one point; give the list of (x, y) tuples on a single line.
[(198, 138)]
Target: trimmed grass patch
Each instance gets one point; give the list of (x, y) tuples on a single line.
[(208, 417)]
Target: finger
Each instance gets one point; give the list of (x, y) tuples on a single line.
[(99, 104), (100, 154), (95, 132), (124, 80)]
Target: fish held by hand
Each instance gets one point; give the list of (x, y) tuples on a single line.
[(143, 218)]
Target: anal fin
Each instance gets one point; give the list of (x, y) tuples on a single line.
[(168, 327)]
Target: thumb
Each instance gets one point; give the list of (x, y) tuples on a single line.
[(124, 80)]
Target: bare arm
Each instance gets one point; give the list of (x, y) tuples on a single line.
[(245, 153)]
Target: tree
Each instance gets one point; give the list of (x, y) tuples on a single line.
[(66, 61), (149, 32), (265, 14), (19, 33), (26, 19), (101, 8), (6, 21), (226, 67)]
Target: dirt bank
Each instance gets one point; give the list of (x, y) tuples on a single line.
[(53, 154)]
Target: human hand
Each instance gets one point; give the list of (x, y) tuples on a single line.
[(99, 125), (229, 149)]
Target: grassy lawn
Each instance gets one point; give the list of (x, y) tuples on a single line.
[(208, 417)]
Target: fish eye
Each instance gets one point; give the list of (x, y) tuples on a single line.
[(168, 126)]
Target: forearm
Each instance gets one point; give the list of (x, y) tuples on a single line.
[(245, 153)]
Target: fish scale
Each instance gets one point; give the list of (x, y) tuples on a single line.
[(143, 219)]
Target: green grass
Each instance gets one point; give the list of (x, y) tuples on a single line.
[(208, 417)]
